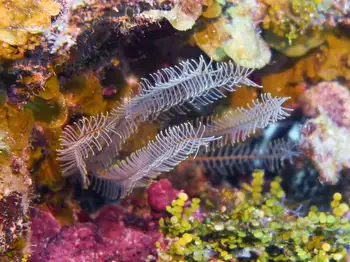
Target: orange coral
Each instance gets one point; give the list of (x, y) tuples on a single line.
[(213, 10), (334, 60), (211, 38), (48, 173), (20, 21), (287, 82), (243, 96), (84, 94), (328, 62)]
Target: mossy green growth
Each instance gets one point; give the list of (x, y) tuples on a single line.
[(294, 18), (258, 227), (15, 251), (25, 257)]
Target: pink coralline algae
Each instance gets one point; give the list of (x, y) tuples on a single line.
[(331, 99), (160, 195), (326, 137), (113, 234), (44, 227)]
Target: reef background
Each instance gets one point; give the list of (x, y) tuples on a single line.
[(61, 60)]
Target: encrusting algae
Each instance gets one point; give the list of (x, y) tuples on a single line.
[(15, 181)]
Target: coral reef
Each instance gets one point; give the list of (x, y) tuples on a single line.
[(58, 32), (99, 98), (327, 63), (182, 16), (112, 235), (246, 47)]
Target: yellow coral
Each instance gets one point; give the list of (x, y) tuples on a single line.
[(291, 19), (330, 61), (84, 93), (182, 17), (48, 172), (17, 125), (243, 96), (214, 10), (335, 59), (246, 47), (21, 19), (286, 83), (51, 113), (211, 38), (50, 107), (52, 88), (301, 45)]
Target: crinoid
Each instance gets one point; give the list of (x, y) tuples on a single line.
[(236, 126), (245, 157), (91, 145), (169, 149)]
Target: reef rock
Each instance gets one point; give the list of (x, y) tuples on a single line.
[(326, 137)]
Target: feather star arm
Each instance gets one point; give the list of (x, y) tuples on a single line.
[(236, 126), (165, 152), (194, 82)]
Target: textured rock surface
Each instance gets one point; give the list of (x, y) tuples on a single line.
[(326, 137)]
